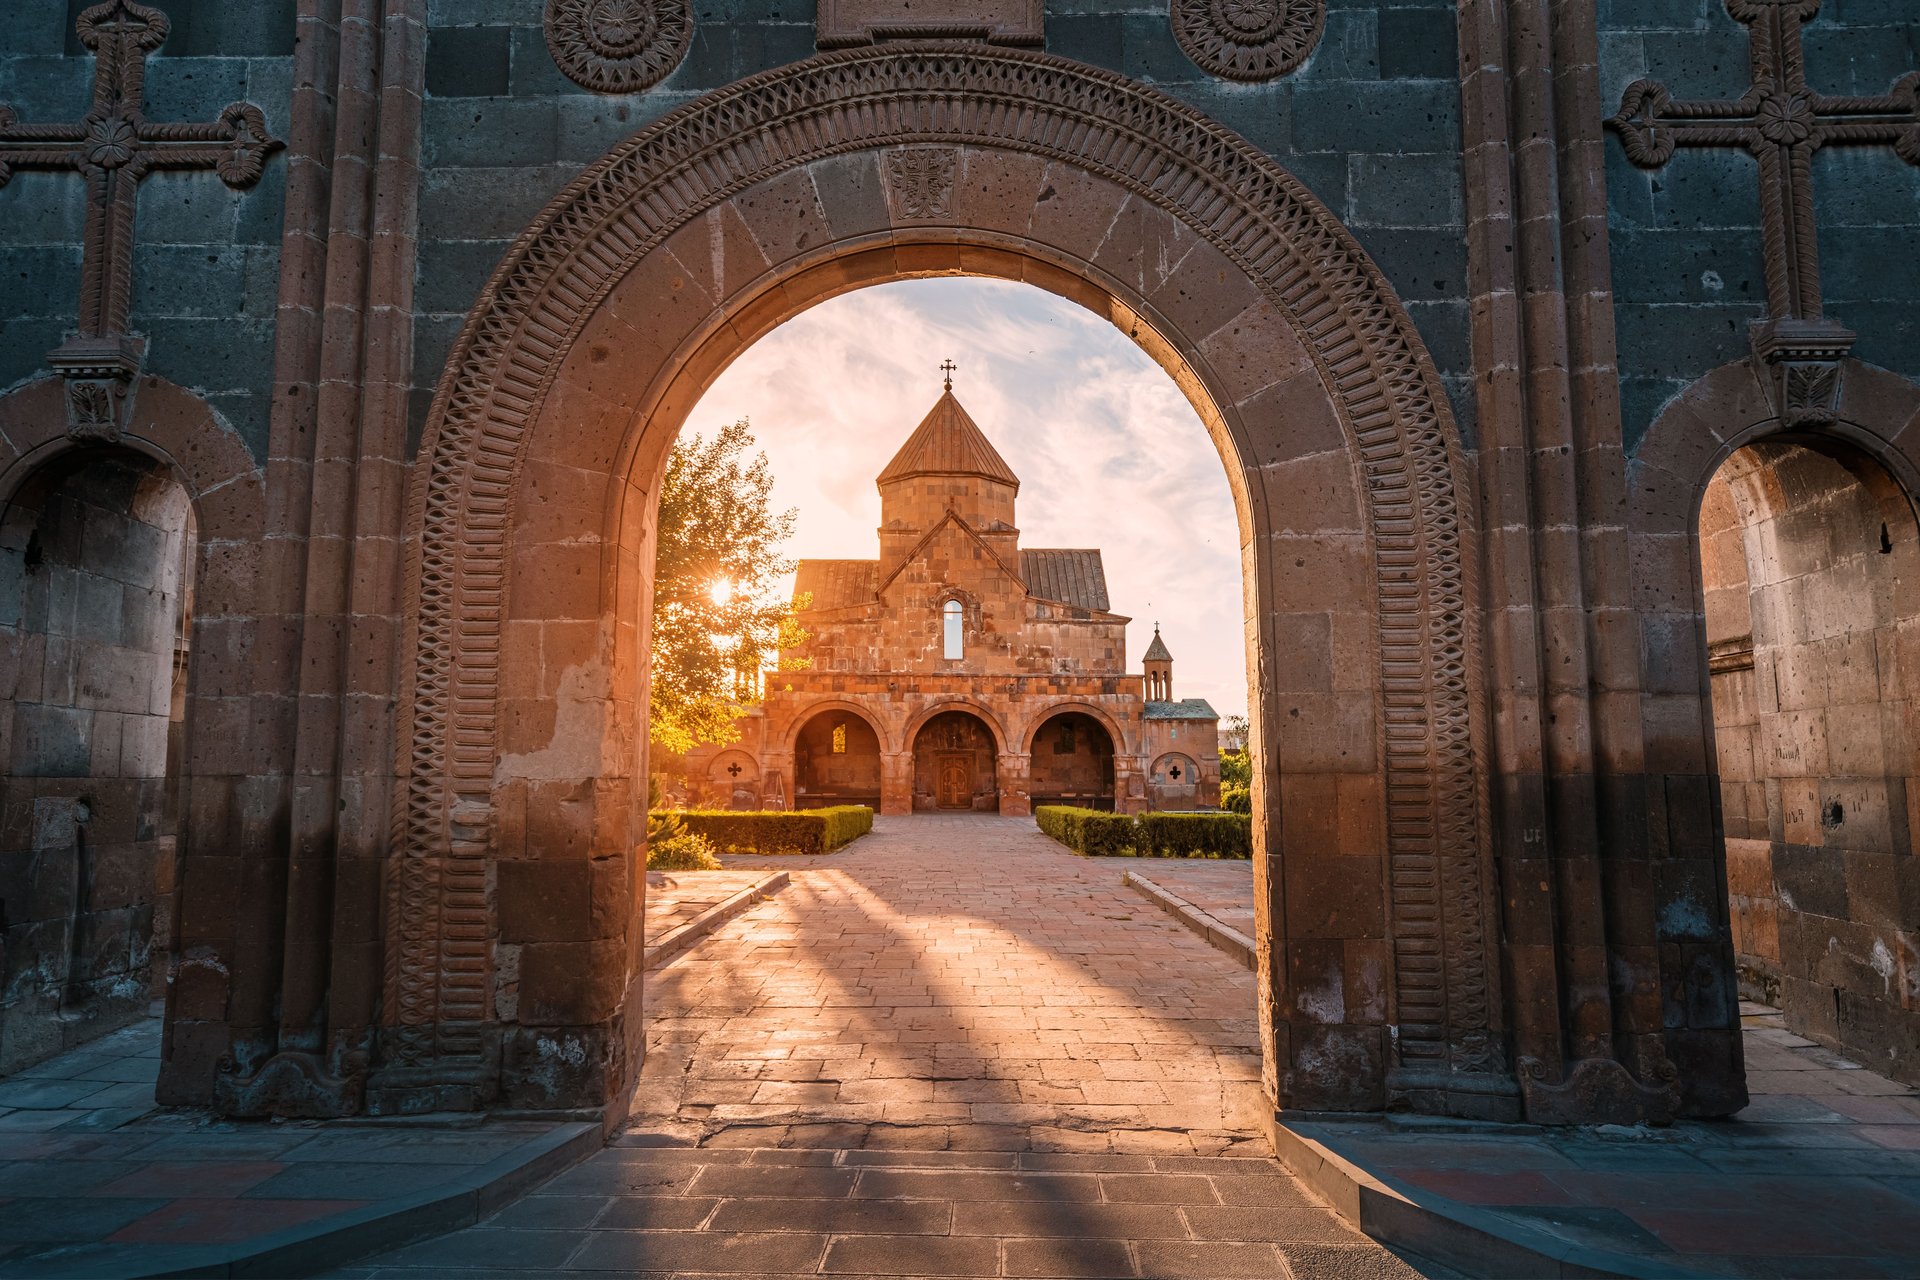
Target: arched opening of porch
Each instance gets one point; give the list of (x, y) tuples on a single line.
[(1072, 762), (955, 765), (836, 760)]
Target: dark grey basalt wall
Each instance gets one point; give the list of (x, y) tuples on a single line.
[(1686, 238), (1370, 123), (206, 259)]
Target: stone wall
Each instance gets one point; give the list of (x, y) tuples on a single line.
[(206, 259), (1688, 271), (92, 570), (1815, 733), (1370, 123)]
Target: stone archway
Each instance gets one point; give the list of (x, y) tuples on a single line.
[(1072, 755), (837, 759), (1726, 428), (955, 765), (702, 232)]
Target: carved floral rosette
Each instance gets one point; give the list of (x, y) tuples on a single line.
[(1248, 40), (618, 46)]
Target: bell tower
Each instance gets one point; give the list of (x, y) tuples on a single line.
[(1158, 663)]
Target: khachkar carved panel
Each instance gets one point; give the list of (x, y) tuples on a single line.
[(845, 23), (618, 46), (921, 181), (113, 147), (1305, 263), (1783, 121), (1248, 40)]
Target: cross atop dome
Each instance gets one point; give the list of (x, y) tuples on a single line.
[(947, 367)]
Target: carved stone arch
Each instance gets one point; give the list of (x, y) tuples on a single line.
[(882, 728), (1121, 745), (996, 726), (1275, 323), (1877, 421)]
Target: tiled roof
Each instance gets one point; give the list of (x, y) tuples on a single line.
[(1073, 576), (948, 442), (1185, 709), (835, 584)]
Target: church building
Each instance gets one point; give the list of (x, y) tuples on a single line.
[(960, 671)]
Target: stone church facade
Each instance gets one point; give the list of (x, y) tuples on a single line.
[(1561, 358), (960, 671)]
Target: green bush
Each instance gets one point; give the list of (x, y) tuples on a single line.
[(684, 852), (1197, 835), (1154, 835), (811, 831), (1235, 798), (1094, 832), (671, 847)]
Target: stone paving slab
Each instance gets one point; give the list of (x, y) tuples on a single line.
[(97, 1181), (952, 982), (641, 1211), (1821, 1178), (685, 906)]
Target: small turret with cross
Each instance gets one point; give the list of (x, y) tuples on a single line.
[(113, 147)]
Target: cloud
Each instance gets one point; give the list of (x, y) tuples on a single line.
[(1108, 451)]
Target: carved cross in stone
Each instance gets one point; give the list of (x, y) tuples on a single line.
[(1782, 121), (733, 770), (114, 146)]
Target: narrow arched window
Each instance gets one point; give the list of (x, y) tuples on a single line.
[(953, 622), (840, 738)]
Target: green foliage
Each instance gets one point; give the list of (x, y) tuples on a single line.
[(1197, 835), (808, 831), (1094, 832), (1155, 835), (670, 846), (715, 526), (1236, 798), (1236, 770)]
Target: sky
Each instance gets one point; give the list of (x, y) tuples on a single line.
[(1109, 453)]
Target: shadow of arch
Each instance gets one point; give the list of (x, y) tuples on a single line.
[(709, 227)]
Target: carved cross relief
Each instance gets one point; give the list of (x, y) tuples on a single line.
[(113, 147), (1783, 122)]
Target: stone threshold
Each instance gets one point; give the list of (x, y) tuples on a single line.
[(679, 939), (1221, 935)]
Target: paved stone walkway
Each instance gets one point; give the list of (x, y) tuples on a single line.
[(951, 1049), (95, 1180), (1223, 888), (951, 981)]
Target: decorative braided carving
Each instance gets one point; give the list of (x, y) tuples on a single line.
[(1249, 40), (607, 220), (618, 46)]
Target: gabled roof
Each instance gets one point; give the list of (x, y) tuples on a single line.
[(1185, 709), (1157, 651), (1071, 576), (835, 584), (948, 442)]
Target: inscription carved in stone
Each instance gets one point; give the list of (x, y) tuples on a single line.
[(618, 46), (922, 181), (1249, 40)]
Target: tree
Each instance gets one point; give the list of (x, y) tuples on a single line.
[(716, 611)]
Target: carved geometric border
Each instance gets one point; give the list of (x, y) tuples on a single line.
[(610, 217)]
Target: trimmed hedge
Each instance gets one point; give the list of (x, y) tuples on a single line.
[(810, 831), (1154, 835)]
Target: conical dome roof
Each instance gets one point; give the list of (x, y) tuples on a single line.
[(1157, 651), (948, 442)]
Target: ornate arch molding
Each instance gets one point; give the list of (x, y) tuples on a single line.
[(790, 737), (1402, 442)]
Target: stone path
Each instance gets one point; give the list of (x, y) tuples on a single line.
[(952, 1049), (951, 981), (95, 1180), (1222, 888), (675, 898)]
